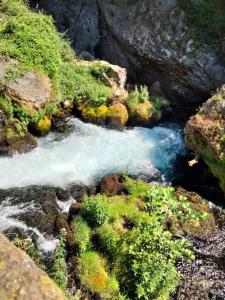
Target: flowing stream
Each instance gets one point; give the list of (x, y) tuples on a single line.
[(90, 152), (83, 156)]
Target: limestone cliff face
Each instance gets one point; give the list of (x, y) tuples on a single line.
[(205, 134), (151, 38), (21, 279)]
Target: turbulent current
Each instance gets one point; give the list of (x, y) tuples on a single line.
[(90, 152)]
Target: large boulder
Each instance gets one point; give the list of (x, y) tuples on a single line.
[(21, 279), (205, 134), (153, 39)]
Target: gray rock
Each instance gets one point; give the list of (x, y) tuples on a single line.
[(150, 38)]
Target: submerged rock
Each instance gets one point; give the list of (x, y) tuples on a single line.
[(21, 279)]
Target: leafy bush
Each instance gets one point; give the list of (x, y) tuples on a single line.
[(95, 210), (58, 267), (82, 234), (159, 102), (147, 262)]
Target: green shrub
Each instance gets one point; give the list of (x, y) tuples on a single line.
[(147, 262), (159, 102), (82, 234), (95, 210), (58, 271)]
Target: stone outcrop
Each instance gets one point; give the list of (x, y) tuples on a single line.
[(205, 134), (151, 38), (21, 279), (32, 90)]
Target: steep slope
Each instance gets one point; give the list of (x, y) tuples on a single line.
[(174, 42)]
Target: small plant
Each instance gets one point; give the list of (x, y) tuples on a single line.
[(6, 105), (58, 271), (31, 249), (82, 234), (95, 210), (159, 102), (139, 95)]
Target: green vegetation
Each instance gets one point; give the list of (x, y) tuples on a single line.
[(31, 249), (6, 105), (32, 39), (82, 234), (139, 95), (58, 266), (132, 242), (95, 210), (206, 17), (159, 102)]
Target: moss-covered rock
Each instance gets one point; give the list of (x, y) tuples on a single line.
[(43, 126), (204, 134), (118, 116), (14, 138)]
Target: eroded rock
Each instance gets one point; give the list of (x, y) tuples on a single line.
[(21, 279)]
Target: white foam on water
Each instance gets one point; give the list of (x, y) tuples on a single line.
[(8, 219), (91, 152), (65, 205)]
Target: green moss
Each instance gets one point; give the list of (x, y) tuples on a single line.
[(82, 234), (32, 39)]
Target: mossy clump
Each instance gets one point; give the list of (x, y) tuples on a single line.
[(93, 274), (43, 126), (82, 234), (115, 115), (118, 115)]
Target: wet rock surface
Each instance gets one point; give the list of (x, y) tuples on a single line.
[(35, 206)]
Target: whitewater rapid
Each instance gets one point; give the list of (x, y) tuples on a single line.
[(90, 152)]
